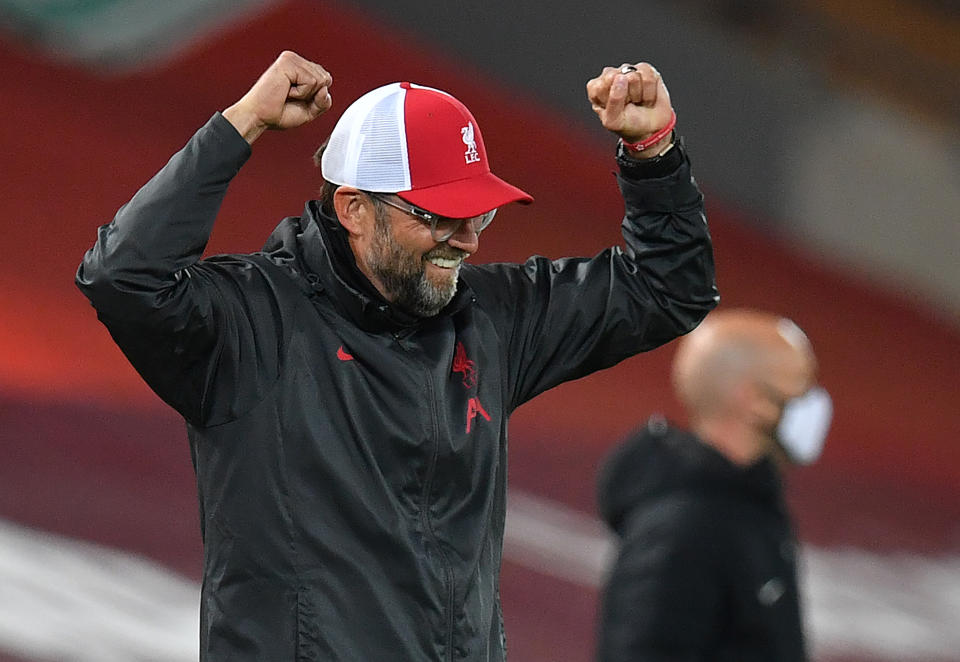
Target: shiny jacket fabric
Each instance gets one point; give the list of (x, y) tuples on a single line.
[(351, 460), (706, 569)]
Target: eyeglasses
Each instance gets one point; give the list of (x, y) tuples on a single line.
[(441, 227)]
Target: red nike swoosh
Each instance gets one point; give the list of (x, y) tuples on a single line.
[(342, 354)]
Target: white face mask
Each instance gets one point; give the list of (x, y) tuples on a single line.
[(803, 426)]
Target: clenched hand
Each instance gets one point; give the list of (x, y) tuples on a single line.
[(290, 93), (633, 105)]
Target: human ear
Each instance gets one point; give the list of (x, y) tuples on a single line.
[(354, 210)]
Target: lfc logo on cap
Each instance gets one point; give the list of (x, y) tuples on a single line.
[(466, 134)]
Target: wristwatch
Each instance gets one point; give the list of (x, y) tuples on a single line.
[(660, 165)]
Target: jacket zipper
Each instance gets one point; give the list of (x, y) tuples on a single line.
[(424, 505)]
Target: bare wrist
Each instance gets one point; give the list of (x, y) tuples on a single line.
[(653, 145), (245, 122), (652, 152)]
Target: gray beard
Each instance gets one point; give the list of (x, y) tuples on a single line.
[(404, 277)]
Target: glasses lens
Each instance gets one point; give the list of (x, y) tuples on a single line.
[(444, 227), (441, 227), (483, 221)]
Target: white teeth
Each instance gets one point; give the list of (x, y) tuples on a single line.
[(444, 262)]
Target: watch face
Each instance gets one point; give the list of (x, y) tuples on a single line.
[(622, 154)]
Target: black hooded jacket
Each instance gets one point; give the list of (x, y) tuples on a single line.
[(350, 458), (706, 568)]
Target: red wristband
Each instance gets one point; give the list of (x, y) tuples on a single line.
[(641, 145)]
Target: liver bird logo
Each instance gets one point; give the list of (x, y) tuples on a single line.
[(464, 365), (466, 134)]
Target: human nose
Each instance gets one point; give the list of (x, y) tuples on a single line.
[(466, 238)]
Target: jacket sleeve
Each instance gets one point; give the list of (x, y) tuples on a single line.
[(566, 318), (180, 321), (662, 597)]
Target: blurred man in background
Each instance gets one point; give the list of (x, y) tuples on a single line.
[(706, 569), (347, 390)]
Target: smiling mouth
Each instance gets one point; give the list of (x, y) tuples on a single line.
[(445, 262), (448, 259)]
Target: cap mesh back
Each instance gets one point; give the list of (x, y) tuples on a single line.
[(383, 163), (367, 148)]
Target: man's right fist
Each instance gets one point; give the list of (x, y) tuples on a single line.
[(290, 93), (631, 101)]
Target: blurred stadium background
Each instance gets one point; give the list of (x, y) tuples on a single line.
[(824, 133)]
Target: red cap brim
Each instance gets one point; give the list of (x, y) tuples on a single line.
[(466, 197)]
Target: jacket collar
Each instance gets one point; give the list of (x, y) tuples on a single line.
[(661, 459), (331, 268)]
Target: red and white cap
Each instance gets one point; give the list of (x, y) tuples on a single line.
[(420, 143)]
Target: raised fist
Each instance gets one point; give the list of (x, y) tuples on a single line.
[(290, 93), (631, 101)]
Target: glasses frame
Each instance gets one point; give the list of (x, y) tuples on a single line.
[(480, 222)]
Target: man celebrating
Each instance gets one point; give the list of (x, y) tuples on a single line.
[(706, 569), (347, 389)]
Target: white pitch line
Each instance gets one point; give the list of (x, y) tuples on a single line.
[(858, 603), (66, 599), (62, 599)]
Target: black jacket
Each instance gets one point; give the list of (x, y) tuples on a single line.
[(350, 459), (706, 568)]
